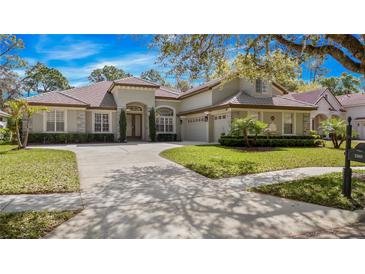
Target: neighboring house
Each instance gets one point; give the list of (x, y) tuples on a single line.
[(200, 114), (328, 106), (3, 119), (355, 108)]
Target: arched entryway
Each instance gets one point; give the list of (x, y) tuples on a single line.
[(316, 122), (135, 113)]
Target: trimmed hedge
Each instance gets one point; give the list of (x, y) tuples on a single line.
[(69, 138), (166, 137), (270, 142), (286, 137)]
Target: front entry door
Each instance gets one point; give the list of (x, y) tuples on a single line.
[(134, 126)]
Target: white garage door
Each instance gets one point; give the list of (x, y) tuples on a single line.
[(196, 129)]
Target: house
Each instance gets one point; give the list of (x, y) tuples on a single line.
[(202, 113), (3, 119), (328, 106), (355, 108)]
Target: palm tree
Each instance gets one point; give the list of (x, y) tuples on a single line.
[(242, 125), (19, 109), (257, 127), (16, 111), (336, 129)]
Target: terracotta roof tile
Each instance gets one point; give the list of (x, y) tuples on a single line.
[(167, 92), (308, 97), (134, 81), (209, 84), (355, 99), (241, 98)]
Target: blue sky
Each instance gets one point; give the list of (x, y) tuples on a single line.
[(77, 55)]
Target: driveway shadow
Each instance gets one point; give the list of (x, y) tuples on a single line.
[(171, 202)]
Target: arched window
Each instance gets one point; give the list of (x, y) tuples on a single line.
[(165, 120)]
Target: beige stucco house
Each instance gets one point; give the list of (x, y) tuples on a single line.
[(202, 113), (354, 105)]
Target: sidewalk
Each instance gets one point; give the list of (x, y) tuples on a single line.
[(73, 201), (40, 202)]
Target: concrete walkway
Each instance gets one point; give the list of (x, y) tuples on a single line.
[(130, 192)]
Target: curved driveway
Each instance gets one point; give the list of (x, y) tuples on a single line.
[(129, 191)]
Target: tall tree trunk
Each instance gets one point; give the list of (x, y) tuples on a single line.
[(25, 141), (18, 134), (245, 136)]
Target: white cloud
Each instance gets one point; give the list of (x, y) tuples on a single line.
[(66, 49), (132, 63)]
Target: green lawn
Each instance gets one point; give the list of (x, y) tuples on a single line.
[(218, 161), (4, 148), (37, 171), (322, 190), (31, 225)]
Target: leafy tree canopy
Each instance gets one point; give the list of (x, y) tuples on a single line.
[(345, 84), (10, 85), (183, 85), (41, 78), (107, 73), (202, 54), (155, 77)]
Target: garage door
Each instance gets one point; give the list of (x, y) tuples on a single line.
[(196, 129)]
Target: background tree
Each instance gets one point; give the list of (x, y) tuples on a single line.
[(183, 85), (152, 125), (197, 54), (107, 73), (345, 84), (122, 126), (155, 77), (40, 78), (10, 86), (316, 69)]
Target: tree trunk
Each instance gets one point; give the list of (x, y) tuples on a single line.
[(25, 141), (18, 134), (245, 137)]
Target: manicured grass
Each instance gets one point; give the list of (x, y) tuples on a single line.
[(31, 225), (323, 190), (5, 148), (218, 161), (38, 171)]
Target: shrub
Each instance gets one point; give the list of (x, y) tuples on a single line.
[(69, 138), (5, 135), (122, 126), (271, 142), (152, 125), (166, 137)]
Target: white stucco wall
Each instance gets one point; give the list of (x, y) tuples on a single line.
[(357, 112), (197, 101)]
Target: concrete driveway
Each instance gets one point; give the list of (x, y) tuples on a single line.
[(129, 191)]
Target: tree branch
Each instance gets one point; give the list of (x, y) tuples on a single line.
[(335, 52)]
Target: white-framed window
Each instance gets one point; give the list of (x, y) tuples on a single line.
[(165, 120), (55, 121), (288, 123), (261, 86), (101, 122)]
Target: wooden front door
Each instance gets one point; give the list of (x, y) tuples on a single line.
[(134, 126)]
